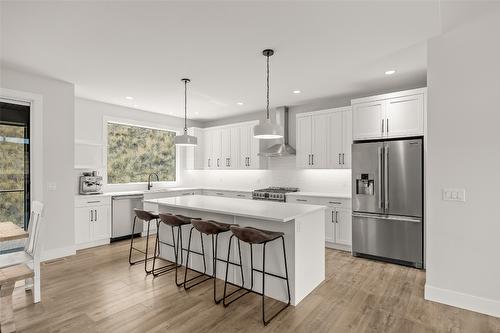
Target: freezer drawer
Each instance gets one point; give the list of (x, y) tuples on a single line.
[(391, 237)]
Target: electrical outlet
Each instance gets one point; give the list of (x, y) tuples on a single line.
[(454, 194)]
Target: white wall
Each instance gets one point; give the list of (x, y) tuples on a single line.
[(463, 238), (89, 119), (58, 151)]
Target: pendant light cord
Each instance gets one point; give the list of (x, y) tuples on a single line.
[(185, 106), (267, 74)]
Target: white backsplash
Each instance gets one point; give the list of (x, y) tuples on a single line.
[(281, 172)]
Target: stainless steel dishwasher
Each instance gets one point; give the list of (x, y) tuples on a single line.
[(123, 216)]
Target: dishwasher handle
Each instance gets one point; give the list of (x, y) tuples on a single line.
[(127, 197)]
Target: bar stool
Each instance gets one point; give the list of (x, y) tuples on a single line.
[(213, 229), (256, 236), (146, 217), (174, 221)]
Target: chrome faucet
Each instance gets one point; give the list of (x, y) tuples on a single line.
[(149, 179)]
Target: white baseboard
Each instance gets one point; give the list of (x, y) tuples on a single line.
[(92, 244), (465, 301), (58, 253), (336, 246)]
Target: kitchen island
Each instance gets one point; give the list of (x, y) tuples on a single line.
[(303, 227)]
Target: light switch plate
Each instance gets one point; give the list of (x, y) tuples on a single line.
[(454, 194)]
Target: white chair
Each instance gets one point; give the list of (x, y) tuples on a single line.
[(32, 251)]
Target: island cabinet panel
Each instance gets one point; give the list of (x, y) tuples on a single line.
[(324, 139), (227, 147), (338, 219), (303, 236), (398, 114), (92, 221)]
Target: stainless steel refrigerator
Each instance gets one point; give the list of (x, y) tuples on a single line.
[(387, 200)]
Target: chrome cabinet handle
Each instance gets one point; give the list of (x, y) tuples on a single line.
[(333, 221), (229, 161), (218, 164), (95, 215), (339, 159), (218, 193), (96, 201), (209, 163), (249, 161), (343, 159), (309, 159), (91, 215), (312, 159), (303, 200), (387, 125), (382, 126), (336, 216), (334, 202), (240, 195)]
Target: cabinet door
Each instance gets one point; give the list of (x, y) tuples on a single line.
[(346, 139), (225, 151), (254, 158), (367, 120), (101, 226), (244, 143), (208, 162), (343, 227), (234, 148), (405, 116), (330, 225), (303, 143), (217, 148), (82, 224), (335, 147), (319, 141)]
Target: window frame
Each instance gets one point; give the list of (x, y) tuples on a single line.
[(136, 123)]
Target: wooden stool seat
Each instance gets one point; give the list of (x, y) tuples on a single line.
[(8, 277), (210, 227), (254, 235)]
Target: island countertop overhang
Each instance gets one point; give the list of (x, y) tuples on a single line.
[(257, 209)]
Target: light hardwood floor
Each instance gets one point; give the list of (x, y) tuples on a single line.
[(97, 291)]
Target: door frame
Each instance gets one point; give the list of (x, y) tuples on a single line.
[(35, 102)]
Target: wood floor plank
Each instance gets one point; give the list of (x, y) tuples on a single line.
[(97, 291)]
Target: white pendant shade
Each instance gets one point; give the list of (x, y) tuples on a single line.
[(185, 140), (267, 130)]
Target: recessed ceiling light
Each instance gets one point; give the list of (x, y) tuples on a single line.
[(240, 103), (136, 105), (297, 91), (129, 98), (390, 72)]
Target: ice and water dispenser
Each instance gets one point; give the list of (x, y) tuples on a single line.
[(364, 184)]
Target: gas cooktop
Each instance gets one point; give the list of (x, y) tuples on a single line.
[(273, 193)]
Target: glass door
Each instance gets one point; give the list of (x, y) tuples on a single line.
[(14, 163)]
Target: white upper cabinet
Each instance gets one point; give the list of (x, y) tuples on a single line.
[(323, 140), (405, 116), (304, 141), (225, 147), (391, 115)]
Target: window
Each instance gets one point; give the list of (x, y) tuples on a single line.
[(135, 152)]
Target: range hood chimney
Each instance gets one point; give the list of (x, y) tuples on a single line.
[(281, 149)]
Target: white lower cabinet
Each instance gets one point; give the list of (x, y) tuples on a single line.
[(338, 219), (92, 221)]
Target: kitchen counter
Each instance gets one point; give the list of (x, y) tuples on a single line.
[(321, 194), (163, 190), (256, 209), (303, 227)]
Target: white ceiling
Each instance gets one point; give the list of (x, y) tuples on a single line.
[(110, 50)]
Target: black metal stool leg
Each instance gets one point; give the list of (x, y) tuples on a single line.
[(132, 248), (201, 274), (132, 242), (167, 268), (242, 287)]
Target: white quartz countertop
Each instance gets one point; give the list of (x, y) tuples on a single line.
[(257, 209), (321, 194), (162, 190)]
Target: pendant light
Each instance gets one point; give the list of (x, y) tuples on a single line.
[(185, 139), (267, 130)]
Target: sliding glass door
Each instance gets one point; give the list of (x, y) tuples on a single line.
[(14, 162)]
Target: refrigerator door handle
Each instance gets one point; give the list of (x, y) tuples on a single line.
[(380, 175), (386, 177), (389, 217)]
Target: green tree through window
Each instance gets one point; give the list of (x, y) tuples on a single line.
[(135, 152)]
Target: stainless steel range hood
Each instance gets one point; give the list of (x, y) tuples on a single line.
[(280, 149)]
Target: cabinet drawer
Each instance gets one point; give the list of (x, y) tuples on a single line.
[(335, 202), (304, 200), (94, 201)]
